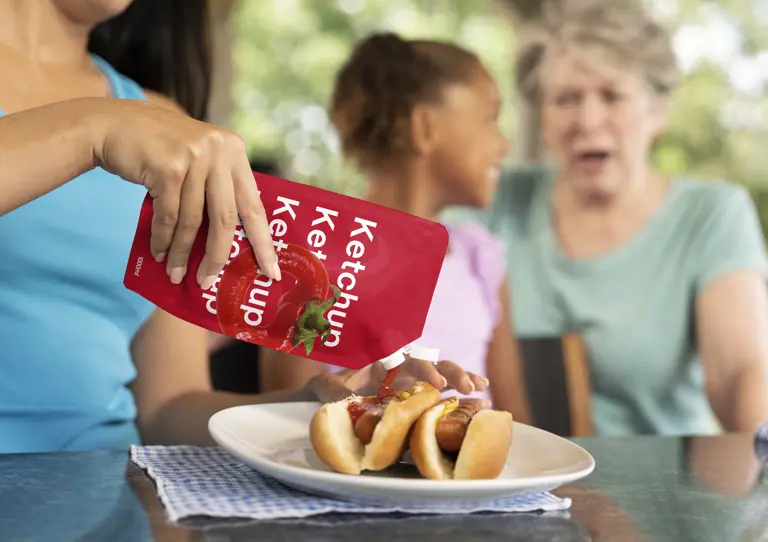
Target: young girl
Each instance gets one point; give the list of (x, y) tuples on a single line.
[(420, 119)]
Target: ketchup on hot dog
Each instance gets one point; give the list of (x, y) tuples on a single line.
[(366, 424), (357, 408), (368, 411)]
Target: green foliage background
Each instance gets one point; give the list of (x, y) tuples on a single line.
[(287, 53)]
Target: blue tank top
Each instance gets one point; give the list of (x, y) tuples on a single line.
[(66, 320)]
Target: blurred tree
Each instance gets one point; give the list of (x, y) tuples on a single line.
[(287, 53), (719, 117)]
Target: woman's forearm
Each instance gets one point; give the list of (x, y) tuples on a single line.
[(46, 147), (740, 401), (184, 420), (747, 403)]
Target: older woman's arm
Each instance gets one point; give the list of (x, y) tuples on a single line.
[(731, 306), (732, 328), (505, 368)]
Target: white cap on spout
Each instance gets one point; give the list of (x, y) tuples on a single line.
[(393, 360), (422, 352)]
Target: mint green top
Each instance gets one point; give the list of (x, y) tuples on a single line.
[(634, 305)]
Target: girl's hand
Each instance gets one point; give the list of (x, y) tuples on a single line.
[(445, 375)]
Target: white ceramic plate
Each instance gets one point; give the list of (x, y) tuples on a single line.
[(274, 439)]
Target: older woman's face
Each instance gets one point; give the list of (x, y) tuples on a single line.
[(598, 120)]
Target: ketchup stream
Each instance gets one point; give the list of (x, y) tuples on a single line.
[(356, 410), (386, 384)]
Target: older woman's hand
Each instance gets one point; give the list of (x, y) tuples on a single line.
[(445, 375)]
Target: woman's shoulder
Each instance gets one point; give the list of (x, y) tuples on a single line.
[(717, 222), (707, 190), (709, 201), (125, 87), (122, 85)]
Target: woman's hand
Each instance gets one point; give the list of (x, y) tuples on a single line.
[(445, 375), (189, 168)]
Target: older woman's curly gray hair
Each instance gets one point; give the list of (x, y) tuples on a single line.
[(621, 29)]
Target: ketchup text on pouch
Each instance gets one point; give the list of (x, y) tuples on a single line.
[(372, 269), (323, 225)]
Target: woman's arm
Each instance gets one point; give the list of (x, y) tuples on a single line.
[(44, 148), (65, 134), (731, 316), (190, 168), (173, 390), (504, 366)]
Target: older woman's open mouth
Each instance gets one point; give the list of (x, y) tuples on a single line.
[(592, 161)]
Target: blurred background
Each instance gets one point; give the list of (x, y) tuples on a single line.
[(275, 62)]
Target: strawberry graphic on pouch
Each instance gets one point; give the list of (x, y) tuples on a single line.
[(299, 318)]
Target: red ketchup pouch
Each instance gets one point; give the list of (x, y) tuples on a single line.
[(357, 278)]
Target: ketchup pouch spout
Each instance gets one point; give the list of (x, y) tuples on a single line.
[(357, 277)]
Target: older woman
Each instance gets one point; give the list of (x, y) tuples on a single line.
[(664, 278)]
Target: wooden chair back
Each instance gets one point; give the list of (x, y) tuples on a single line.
[(558, 384)]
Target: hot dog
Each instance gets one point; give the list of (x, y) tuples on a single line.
[(368, 433), (456, 440), (452, 428), (366, 423)]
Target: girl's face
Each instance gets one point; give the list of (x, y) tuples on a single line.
[(468, 146)]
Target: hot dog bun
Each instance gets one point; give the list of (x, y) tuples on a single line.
[(333, 437), (483, 451)]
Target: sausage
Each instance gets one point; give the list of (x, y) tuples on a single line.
[(366, 423), (452, 428)]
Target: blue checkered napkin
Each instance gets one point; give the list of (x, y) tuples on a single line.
[(761, 443), (762, 432), (194, 481)]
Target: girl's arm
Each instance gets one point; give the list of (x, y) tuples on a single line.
[(504, 366)]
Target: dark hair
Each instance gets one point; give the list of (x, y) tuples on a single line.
[(265, 165), (379, 86), (164, 46)]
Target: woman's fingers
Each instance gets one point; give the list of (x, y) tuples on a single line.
[(457, 377), (222, 221), (164, 218), (427, 371), (447, 375), (254, 217), (191, 208), (444, 375), (480, 382)]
